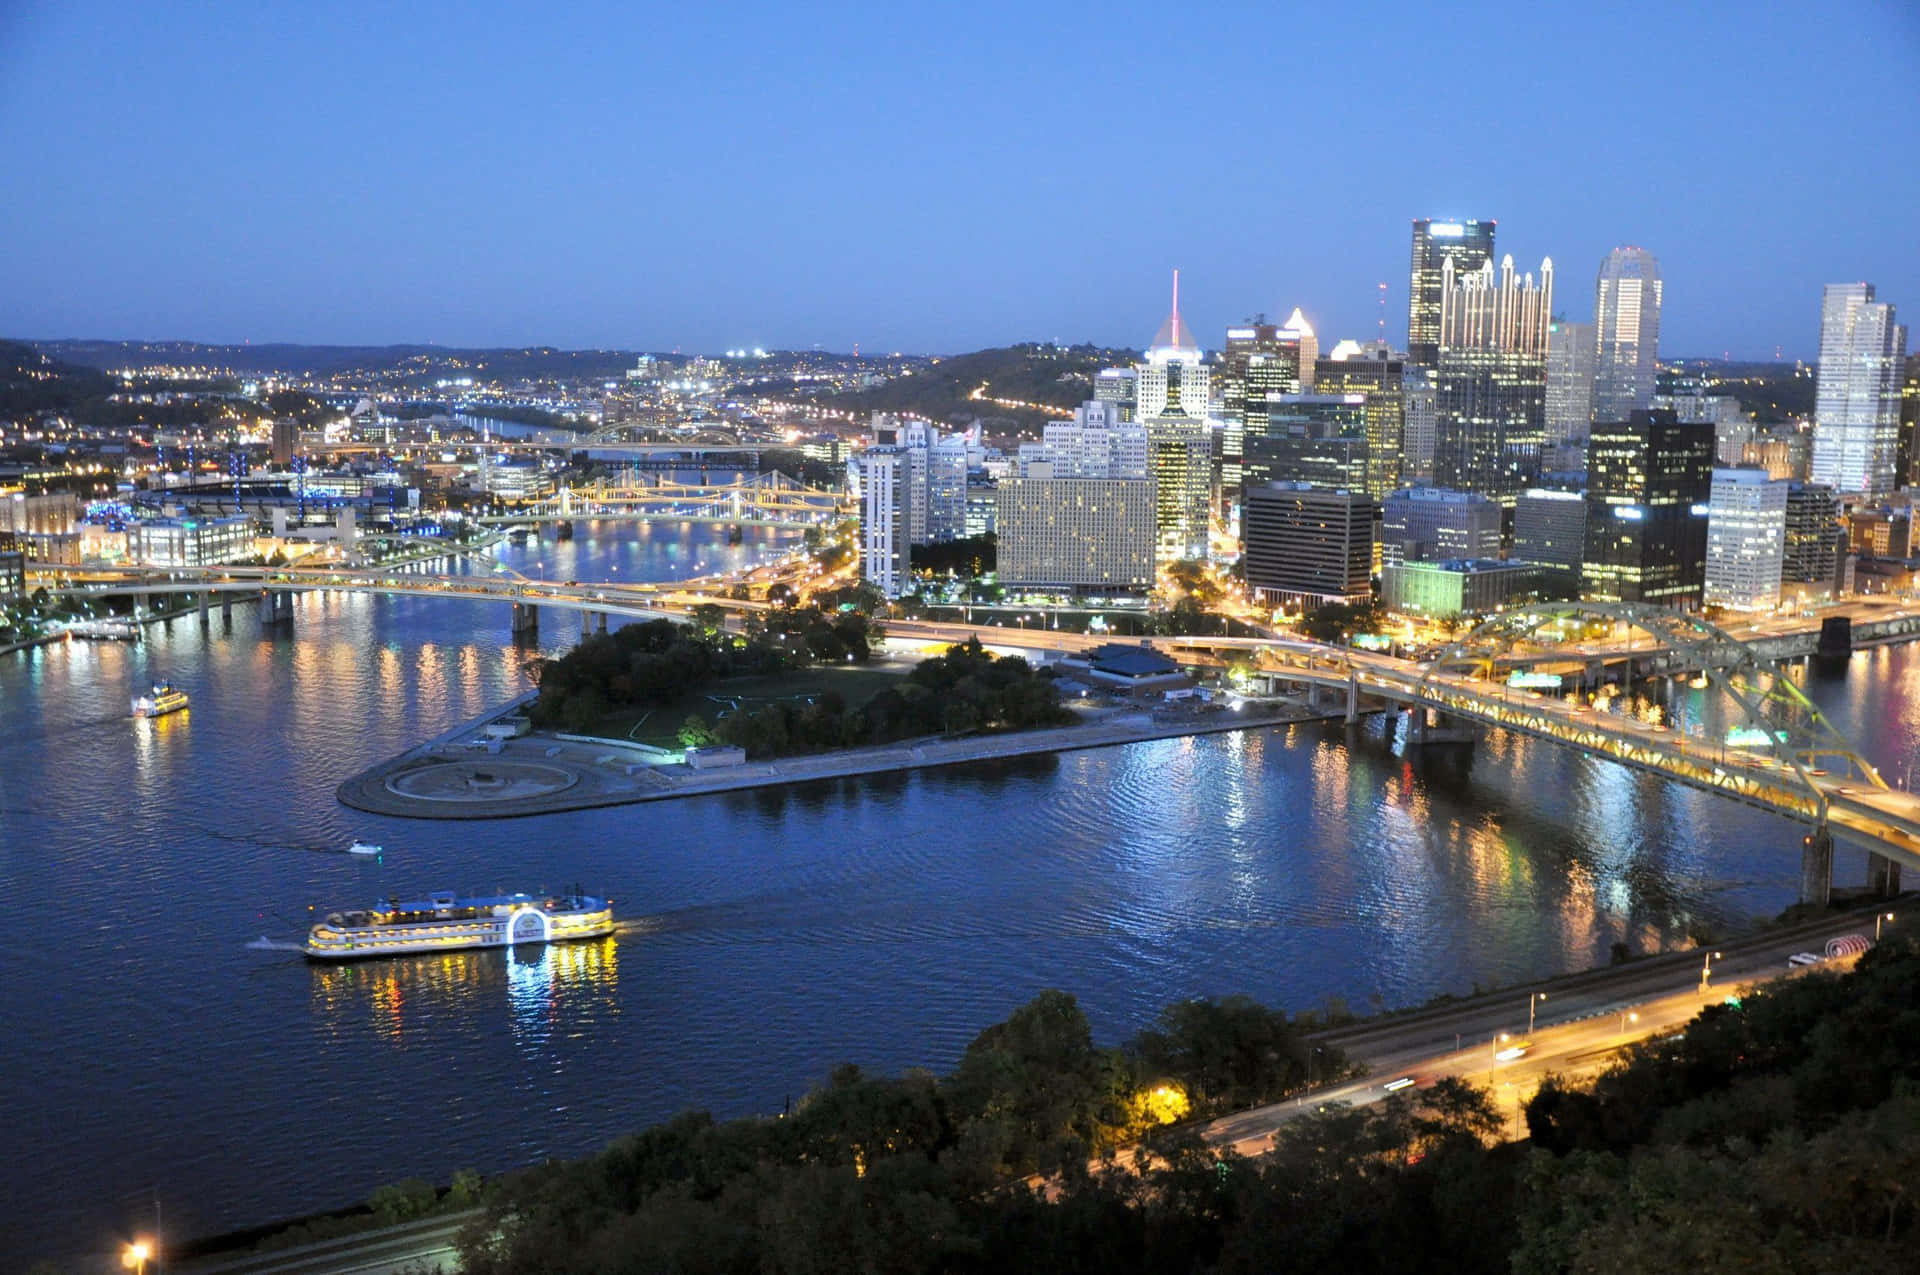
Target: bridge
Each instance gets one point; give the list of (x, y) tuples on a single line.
[(1779, 754), (772, 500)]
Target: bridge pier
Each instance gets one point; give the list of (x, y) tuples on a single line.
[(1440, 730), (276, 607), (600, 622), (203, 609), (226, 609), (1883, 876), (1816, 867), (526, 621), (1353, 698)]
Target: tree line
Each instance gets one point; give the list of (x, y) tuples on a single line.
[(965, 691), (659, 661), (1779, 1133)]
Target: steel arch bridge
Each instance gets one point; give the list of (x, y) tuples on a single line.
[(1791, 726), (1788, 758)]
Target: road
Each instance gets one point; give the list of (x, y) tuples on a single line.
[(413, 1248), (1579, 1028)]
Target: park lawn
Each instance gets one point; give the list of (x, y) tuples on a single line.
[(660, 725)]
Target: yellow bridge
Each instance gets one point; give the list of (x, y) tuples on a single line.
[(771, 499)]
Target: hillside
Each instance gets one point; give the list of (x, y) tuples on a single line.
[(423, 361), (1022, 383)]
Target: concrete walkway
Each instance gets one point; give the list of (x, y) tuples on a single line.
[(609, 773)]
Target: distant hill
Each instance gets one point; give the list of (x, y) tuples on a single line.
[(1023, 383), (33, 382), (427, 362)]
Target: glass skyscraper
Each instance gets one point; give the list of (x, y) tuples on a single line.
[(1626, 320), (1856, 407), (1469, 246)]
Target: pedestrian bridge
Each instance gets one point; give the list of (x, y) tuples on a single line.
[(1780, 753)]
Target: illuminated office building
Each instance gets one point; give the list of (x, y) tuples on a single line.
[(1467, 246), (1648, 482), (1491, 382), (1378, 374), (1569, 380), (1626, 320), (1856, 410), (1172, 387), (1746, 539)]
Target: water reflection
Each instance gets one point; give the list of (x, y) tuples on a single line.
[(542, 988)]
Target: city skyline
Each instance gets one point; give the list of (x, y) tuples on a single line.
[(604, 179)]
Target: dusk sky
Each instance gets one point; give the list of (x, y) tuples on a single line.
[(931, 178)]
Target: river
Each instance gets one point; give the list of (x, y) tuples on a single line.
[(883, 920)]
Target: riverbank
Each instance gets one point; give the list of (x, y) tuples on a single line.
[(458, 775)]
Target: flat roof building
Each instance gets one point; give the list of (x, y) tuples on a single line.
[(1084, 535), (1308, 544)]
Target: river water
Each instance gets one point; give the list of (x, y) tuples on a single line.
[(883, 920)]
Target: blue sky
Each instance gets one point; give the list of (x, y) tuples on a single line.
[(930, 178)]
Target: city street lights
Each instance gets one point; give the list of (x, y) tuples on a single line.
[(134, 1258), (1533, 1001), (1706, 969), (1628, 1016), (1493, 1052), (1884, 916)]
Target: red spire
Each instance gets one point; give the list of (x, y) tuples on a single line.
[(1173, 333)]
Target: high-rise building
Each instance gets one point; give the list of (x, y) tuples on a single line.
[(1173, 401), (1732, 427), (1648, 482), (285, 440), (1094, 444), (1306, 342), (1311, 438), (1421, 409), (1856, 411), (885, 475), (1306, 544), (1259, 360), (1626, 320), (1087, 535), (1813, 536), (1746, 539), (1377, 373), (1570, 350), (1432, 524), (1906, 471), (1550, 528), (1492, 379), (1118, 386), (1467, 246)]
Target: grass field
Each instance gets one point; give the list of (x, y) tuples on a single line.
[(660, 725)]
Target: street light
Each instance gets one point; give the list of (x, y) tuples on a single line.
[(1884, 916), (1493, 1050), (1706, 969), (1628, 1016), (135, 1257), (1533, 1001)]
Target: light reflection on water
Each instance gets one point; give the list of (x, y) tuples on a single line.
[(769, 934)]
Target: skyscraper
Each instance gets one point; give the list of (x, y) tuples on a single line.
[(1260, 360), (1173, 406), (1813, 537), (1746, 539), (1376, 372), (1856, 407), (1626, 321), (1307, 544), (1469, 246), (884, 470), (1491, 401), (1307, 343), (1570, 349), (1648, 482)]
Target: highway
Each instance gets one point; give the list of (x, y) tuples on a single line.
[(413, 1248), (1579, 1028)]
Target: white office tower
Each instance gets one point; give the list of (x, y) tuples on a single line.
[(1094, 444), (1746, 539), (1856, 406), (1626, 320), (947, 489), (1173, 395), (1309, 347), (1569, 380), (884, 471)]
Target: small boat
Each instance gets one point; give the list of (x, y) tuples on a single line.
[(363, 847), (165, 699)]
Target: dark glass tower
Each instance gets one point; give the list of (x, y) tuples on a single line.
[(1469, 245), (1648, 482)]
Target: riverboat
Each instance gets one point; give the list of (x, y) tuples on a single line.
[(165, 699), (443, 923)]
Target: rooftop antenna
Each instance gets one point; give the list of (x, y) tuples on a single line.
[(1383, 312), (1176, 306)]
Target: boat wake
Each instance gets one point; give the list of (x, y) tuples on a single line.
[(265, 944)]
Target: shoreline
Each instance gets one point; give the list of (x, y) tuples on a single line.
[(602, 773)]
